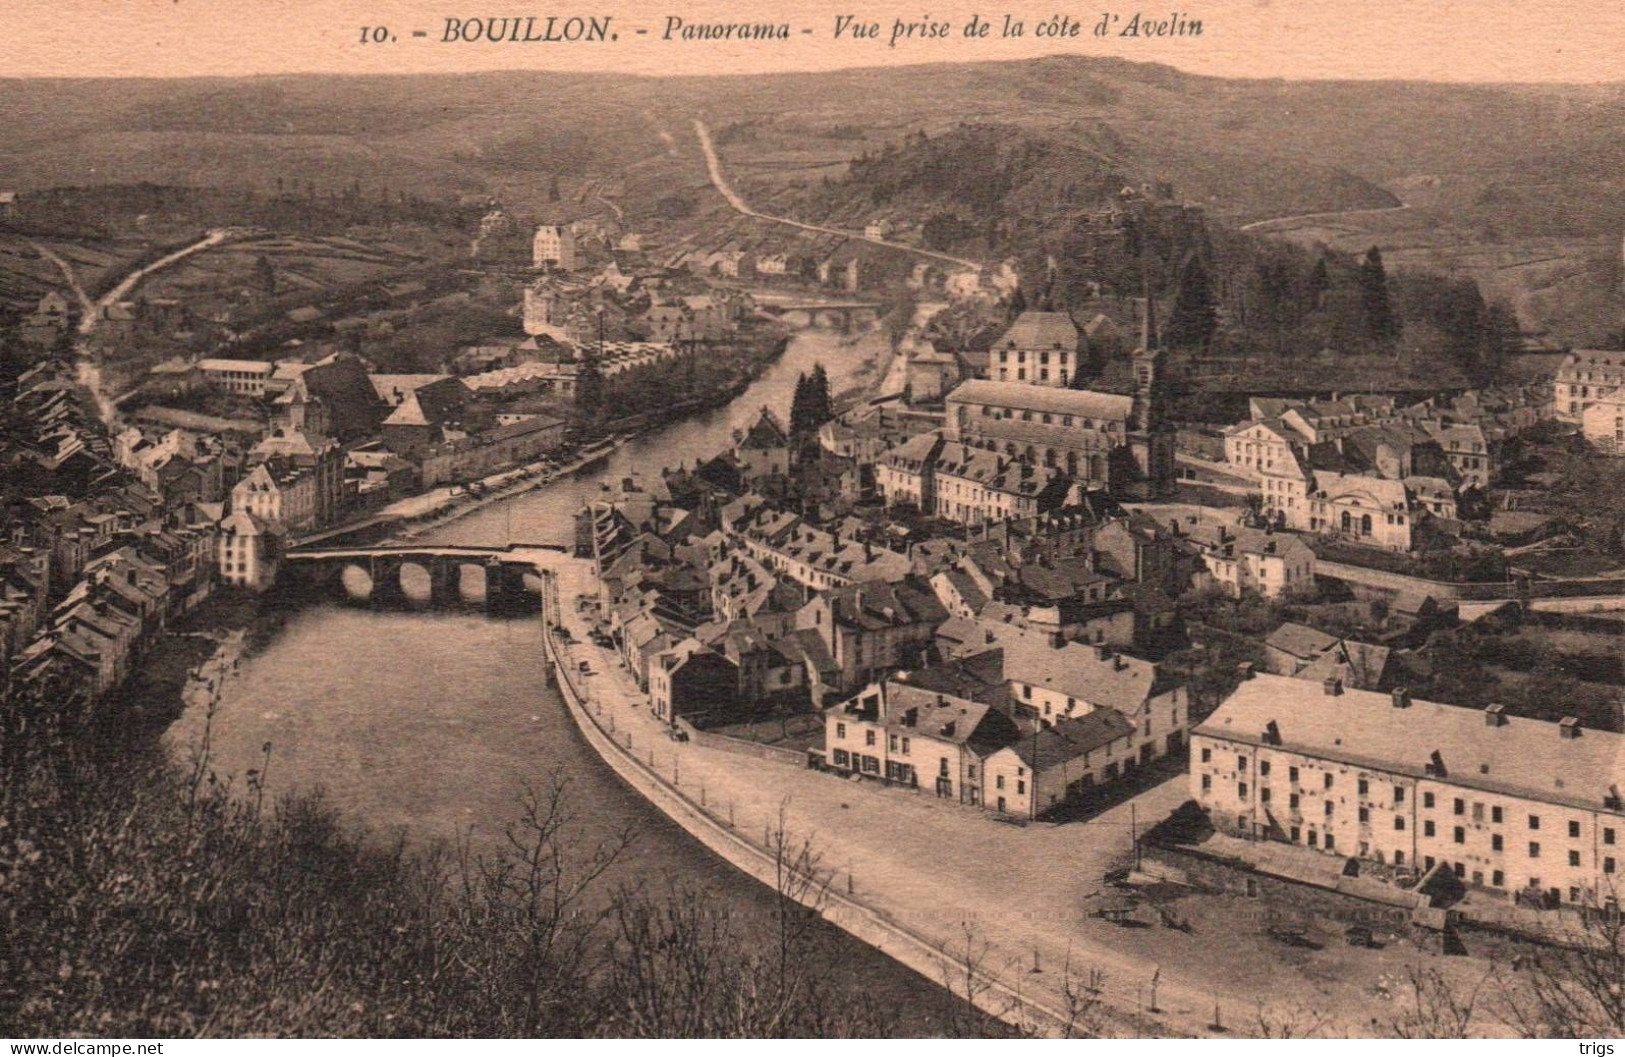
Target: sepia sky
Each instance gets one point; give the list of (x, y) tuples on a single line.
[(1454, 40)]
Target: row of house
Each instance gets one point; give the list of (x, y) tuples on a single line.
[(1020, 723)]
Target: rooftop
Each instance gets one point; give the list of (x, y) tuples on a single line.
[(1520, 757)]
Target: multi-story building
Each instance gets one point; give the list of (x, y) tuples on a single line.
[(918, 738), (1469, 452), (1082, 432), (242, 377), (907, 473), (872, 629), (974, 487), (1258, 447), (1251, 561), (1368, 510), (1040, 348), (249, 551), (811, 557), (555, 245), (1603, 423), (1514, 806), (278, 495), (1584, 377)]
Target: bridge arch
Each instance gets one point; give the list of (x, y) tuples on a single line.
[(416, 583), (357, 582), (474, 582)]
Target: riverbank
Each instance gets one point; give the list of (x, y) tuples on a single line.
[(1006, 899)]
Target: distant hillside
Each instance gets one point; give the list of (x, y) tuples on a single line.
[(1535, 160)]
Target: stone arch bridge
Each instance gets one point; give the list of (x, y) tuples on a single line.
[(842, 316), (421, 576)]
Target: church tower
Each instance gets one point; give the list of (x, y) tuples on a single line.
[(1152, 437)]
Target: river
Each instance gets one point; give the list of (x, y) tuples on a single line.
[(432, 724)]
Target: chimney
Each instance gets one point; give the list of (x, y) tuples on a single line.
[(1333, 686), (1401, 697), (1058, 641), (1245, 670), (1568, 728), (1495, 715), (1272, 733), (988, 637), (1118, 663), (1101, 652)]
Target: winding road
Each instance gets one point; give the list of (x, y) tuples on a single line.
[(1255, 225), (713, 165), (88, 372)]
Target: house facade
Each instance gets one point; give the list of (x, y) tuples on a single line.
[(1521, 808)]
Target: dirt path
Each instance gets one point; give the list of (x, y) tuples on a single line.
[(713, 165)]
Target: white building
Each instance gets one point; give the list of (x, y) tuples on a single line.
[(554, 245), (1585, 376), (244, 377), (1603, 423), (249, 552), (1510, 806)]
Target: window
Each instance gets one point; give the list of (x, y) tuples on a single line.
[(840, 757), (1399, 794), (1365, 787), (1264, 794), (905, 746), (1461, 806), (1241, 763), (1608, 865), (1207, 782), (869, 737), (1574, 858), (1461, 835), (1292, 774), (1241, 790), (1292, 801), (1534, 821), (1496, 844), (891, 742), (1328, 808), (1263, 766), (1427, 799), (1399, 857), (1534, 849), (1328, 781), (1399, 825), (1365, 814), (998, 783), (1207, 755), (1331, 841), (1427, 828), (1608, 836), (1021, 787), (1574, 828), (1495, 815), (1497, 879)]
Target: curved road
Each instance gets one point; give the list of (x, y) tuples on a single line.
[(713, 165), (1324, 216), (88, 372)]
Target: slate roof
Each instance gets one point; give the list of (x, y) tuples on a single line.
[(1040, 330), (1523, 757), (1081, 402)]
